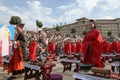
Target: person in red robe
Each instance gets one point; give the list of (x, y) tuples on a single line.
[(67, 47), (73, 47), (118, 47), (92, 45), (79, 46), (115, 46), (16, 62), (79, 49), (51, 49), (105, 46), (105, 49), (32, 49)]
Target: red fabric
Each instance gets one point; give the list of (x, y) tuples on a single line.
[(67, 48), (51, 49), (16, 62), (73, 48), (115, 46), (78, 47), (105, 47), (32, 50), (118, 51), (118, 48), (92, 44)]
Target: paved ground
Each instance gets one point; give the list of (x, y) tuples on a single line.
[(58, 69)]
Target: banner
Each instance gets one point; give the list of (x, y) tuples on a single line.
[(6, 36), (4, 39), (0, 41), (12, 31)]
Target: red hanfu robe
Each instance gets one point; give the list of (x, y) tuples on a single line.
[(16, 62), (92, 44), (105, 47), (105, 50), (67, 48), (51, 49), (114, 46), (118, 49), (73, 48), (32, 50), (79, 47)]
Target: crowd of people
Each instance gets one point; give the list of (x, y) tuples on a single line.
[(50, 43), (29, 44)]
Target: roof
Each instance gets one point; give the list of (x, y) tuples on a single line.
[(83, 19)]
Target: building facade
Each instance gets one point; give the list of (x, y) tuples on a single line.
[(104, 25)]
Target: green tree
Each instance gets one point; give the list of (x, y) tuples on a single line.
[(84, 32), (109, 33), (15, 20), (39, 24), (73, 30), (58, 28)]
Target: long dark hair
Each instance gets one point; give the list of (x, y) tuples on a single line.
[(91, 20)]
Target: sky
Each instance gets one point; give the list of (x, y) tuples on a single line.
[(53, 12)]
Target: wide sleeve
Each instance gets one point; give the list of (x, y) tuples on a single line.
[(96, 44), (85, 44)]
